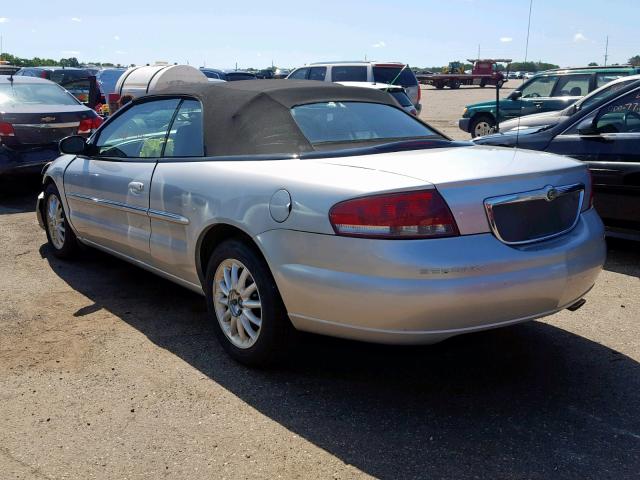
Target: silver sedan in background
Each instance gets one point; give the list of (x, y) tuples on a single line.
[(324, 208)]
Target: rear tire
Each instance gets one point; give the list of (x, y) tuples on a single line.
[(243, 300), (481, 125), (454, 84), (61, 237), (439, 85)]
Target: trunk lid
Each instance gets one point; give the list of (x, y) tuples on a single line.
[(467, 176), (43, 125)]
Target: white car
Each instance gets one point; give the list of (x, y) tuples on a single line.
[(396, 73), (396, 91)]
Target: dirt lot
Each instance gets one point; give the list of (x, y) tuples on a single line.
[(110, 372), (443, 108)]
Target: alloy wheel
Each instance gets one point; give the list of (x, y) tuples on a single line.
[(55, 221), (482, 128), (237, 303)]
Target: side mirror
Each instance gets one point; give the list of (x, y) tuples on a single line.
[(73, 145), (588, 127), (515, 95)]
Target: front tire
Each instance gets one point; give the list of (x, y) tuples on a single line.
[(481, 125), (61, 238), (242, 298)]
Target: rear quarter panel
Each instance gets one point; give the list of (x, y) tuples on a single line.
[(238, 193)]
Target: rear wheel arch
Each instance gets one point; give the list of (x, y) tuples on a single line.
[(213, 236)]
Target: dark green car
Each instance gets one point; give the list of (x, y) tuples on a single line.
[(548, 91)]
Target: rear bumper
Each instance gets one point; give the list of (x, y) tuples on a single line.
[(423, 291), (26, 161), (463, 124)]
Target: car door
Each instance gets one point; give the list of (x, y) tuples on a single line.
[(535, 96), (108, 190), (568, 90), (173, 206), (612, 151)]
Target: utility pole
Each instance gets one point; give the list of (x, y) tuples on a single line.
[(606, 51), (478, 51)]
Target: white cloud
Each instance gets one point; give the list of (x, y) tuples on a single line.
[(506, 39), (4, 19), (579, 37), (76, 19), (70, 52), (379, 44), (121, 52), (116, 37)]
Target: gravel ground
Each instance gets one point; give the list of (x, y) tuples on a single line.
[(443, 108), (110, 372)]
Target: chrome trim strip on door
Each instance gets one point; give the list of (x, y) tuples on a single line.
[(108, 203), (169, 217), (540, 194), (156, 214)]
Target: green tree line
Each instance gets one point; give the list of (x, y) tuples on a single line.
[(38, 61)]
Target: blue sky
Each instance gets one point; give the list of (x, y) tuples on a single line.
[(290, 33)]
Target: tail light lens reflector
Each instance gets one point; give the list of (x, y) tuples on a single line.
[(405, 215), (87, 125), (6, 130)]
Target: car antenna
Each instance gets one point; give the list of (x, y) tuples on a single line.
[(396, 77), (526, 53)]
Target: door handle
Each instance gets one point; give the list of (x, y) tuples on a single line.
[(136, 187), (538, 104)]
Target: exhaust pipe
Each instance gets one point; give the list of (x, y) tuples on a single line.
[(575, 306)]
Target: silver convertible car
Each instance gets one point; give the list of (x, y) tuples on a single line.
[(327, 209)]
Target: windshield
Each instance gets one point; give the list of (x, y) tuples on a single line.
[(389, 74), (357, 122), (34, 94), (606, 92)]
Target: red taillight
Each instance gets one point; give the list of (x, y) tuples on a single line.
[(87, 125), (6, 130), (414, 112), (43, 74), (422, 214)]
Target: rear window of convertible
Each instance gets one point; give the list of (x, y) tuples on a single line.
[(356, 122)]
